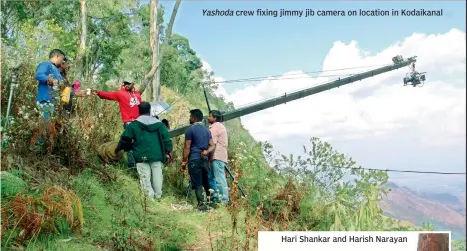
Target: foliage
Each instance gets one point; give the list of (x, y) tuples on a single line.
[(458, 245), (339, 195), (11, 184), (17, 13), (54, 211)]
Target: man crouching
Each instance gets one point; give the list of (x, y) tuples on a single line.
[(150, 142)]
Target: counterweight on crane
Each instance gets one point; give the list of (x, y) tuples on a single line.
[(398, 62)]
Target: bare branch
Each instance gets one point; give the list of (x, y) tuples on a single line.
[(109, 17)]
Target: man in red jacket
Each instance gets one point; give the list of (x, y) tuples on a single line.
[(128, 99)]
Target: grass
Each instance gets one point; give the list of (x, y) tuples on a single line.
[(110, 208)]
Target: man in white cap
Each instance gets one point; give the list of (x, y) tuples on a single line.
[(128, 99)]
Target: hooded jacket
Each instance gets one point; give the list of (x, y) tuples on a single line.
[(128, 102), (148, 138)]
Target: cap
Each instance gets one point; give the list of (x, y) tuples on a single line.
[(129, 80)]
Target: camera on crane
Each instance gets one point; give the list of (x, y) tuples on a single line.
[(414, 78)]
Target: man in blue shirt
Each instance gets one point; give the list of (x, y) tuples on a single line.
[(48, 77), (198, 145)]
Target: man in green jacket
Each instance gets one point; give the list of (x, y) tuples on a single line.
[(151, 144)]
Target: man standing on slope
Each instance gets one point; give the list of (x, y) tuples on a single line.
[(198, 145), (48, 77), (219, 158), (128, 99), (150, 141)]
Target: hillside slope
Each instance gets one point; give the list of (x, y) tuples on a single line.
[(116, 216), (444, 211)]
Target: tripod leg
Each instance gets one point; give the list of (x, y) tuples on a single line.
[(238, 185)]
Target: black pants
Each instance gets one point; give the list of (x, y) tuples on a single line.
[(68, 107), (198, 170), (131, 159)]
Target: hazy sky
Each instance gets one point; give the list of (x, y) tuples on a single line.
[(378, 122)]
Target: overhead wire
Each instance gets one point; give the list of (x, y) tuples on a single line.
[(285, 77), (270, 98), (297, 90), (398, 171), (292, 74)]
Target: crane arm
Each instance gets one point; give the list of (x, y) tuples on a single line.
[(398, 63)]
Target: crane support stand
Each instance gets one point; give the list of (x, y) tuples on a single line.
[(233, 178)]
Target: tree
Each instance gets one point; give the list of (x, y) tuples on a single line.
[(181, 69), (153, 75), (153, 44), (347, 195), (82, 44), (109, 29)]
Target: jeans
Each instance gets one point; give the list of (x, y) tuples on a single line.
[(131, 159), (218, 181), (198, 170), (47, 108), (150, 178)]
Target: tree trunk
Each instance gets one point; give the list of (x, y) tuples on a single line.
[(168, 34), (80, 67), (153, 36), (433, 242), (155, 79)]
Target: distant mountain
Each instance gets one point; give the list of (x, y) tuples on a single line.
[(461, 197), (446, 199), (444, 186), (445, 211)]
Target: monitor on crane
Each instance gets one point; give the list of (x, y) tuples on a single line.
[(397, 59)]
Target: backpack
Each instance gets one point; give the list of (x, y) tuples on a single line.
[(65, 95)]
